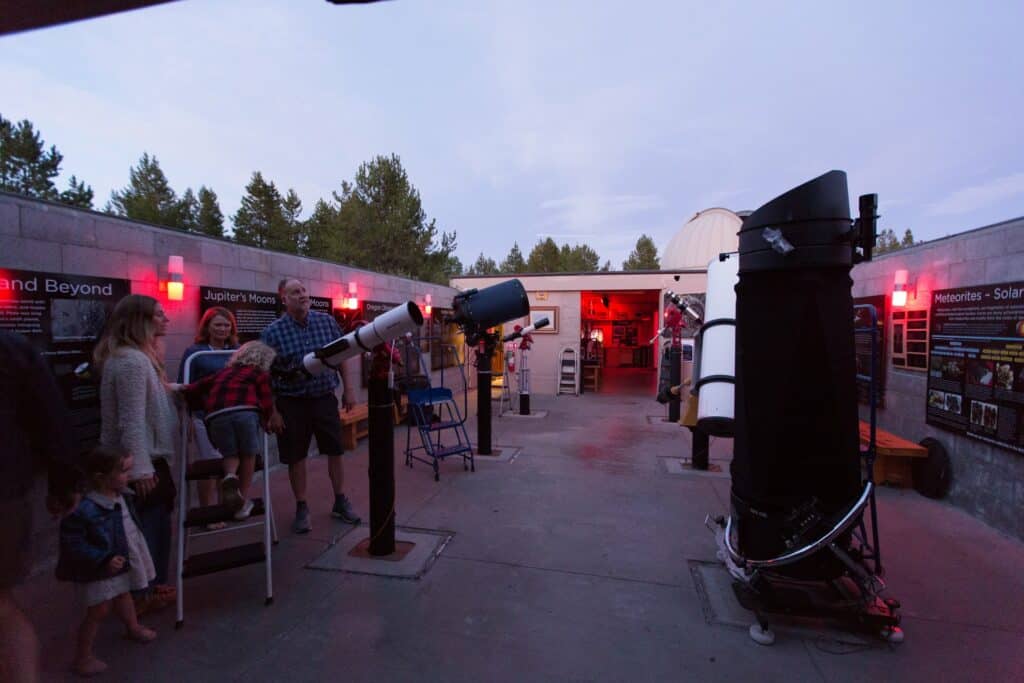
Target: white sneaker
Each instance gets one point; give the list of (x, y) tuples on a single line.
[(245, 510)]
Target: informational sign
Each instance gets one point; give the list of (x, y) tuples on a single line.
[(253, 310), (976, 369), (862, 344), (63, 317)]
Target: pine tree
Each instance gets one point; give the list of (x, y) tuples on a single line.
[(291, 209), (322, 233), (188, 211), (643, 257), (210, 220), (78, 194), (514, 262), (260, 219), (578, 259), (26, 167), (908, 239), (384, 228), (148, 196), (886, 242), (607, 267), (544, 257), (483, 266)]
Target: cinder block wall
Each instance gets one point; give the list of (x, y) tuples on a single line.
[(988, 482), (48, 237)]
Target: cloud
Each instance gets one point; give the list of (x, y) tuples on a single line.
[(585, 212), (980, 196)]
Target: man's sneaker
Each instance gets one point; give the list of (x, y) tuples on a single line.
[(245, 510), (302, 525), (343, 510), (230, 496)]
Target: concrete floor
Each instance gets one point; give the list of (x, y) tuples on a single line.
[(572, 562)]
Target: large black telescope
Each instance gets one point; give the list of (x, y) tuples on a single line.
[(796, 456), (477, 310)]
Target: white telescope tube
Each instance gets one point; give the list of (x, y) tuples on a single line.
[(391, 325), (716, 385), (529, 329)]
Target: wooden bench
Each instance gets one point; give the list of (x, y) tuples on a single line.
[(355, 425), (893, 464)]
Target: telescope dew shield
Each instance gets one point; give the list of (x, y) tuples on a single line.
[(491, 306), (717, 382), (796, 437), (391, 325)]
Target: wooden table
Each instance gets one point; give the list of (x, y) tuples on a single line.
[(893, 464)]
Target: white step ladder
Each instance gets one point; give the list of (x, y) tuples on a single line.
[(193, 522), (568, 371)]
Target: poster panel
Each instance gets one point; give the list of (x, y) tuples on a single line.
[(63, 317), (976, 368), (253, 310)]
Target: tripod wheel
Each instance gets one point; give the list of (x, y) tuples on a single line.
[(892, 635)]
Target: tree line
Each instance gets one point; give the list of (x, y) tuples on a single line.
[(548, 257)]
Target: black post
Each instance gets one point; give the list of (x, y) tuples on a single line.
[(699, 456), (675, 359), (483, 395), (381, 458), (524, 385)]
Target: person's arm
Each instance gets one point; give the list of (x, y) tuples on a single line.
[(46, 421), (74, 541), (130, 389)]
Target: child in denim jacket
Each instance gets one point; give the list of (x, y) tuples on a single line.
[(104, 552)]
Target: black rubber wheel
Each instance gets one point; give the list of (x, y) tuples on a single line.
[(268, 602), (933, 475), (178, 625)]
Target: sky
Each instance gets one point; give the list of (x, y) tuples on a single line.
[(590, 122)]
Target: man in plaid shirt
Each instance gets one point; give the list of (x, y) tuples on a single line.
[(307, 405)]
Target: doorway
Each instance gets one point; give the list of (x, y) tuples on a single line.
[(616, 328)]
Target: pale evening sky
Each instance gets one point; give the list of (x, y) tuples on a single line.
[(592, 122)]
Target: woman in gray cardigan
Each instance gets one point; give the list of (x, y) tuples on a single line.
[(139, 416)]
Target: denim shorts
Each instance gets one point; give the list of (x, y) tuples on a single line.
[(235, 433)]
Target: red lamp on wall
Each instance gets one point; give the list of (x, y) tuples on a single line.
[(352, 302), (899, 289), (175, 278), (427, 307)]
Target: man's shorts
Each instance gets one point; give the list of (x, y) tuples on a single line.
[(305, 418), (15, 541), (236, 432)]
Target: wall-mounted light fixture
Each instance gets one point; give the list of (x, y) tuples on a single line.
[(427, 301), (352, 302), (175, 278), (901, 286)]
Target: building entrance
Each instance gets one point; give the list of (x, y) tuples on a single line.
[(616, 328)]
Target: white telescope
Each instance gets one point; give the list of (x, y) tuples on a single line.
[(391, 325), (529, 329)]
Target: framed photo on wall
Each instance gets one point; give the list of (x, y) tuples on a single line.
[(549, 312)]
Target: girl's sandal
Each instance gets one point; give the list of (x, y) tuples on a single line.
[(141, 634), (89, 667), (216, 526)]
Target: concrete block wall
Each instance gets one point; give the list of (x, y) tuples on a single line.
[(988, 482)]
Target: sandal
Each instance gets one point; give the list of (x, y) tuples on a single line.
[(216, 526)]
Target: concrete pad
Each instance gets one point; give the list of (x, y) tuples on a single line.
[(684, 467), (499, 454), (427, 545), (534, 415)]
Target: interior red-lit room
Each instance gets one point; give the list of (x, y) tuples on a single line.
[(616, 328)]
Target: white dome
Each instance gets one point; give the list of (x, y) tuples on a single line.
[(705, 236)]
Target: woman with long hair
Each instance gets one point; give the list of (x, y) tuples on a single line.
[(138, 416), (217, 331)]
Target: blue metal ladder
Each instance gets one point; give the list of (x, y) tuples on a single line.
[(434, 414)]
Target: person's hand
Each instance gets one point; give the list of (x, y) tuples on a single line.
[(144, 487), (63, 505), (175, 387), (275, 424), (116, 564)]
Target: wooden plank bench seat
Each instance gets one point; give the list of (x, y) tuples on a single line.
[(355, 425), (893, 464)]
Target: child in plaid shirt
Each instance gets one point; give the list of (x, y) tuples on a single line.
[(231, 398)]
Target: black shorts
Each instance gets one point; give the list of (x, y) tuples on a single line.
[(15, 541), (305, 418)]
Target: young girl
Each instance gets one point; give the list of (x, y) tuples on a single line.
[(238, 401), (102, 549)]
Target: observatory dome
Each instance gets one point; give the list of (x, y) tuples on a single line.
[(702, 239)]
